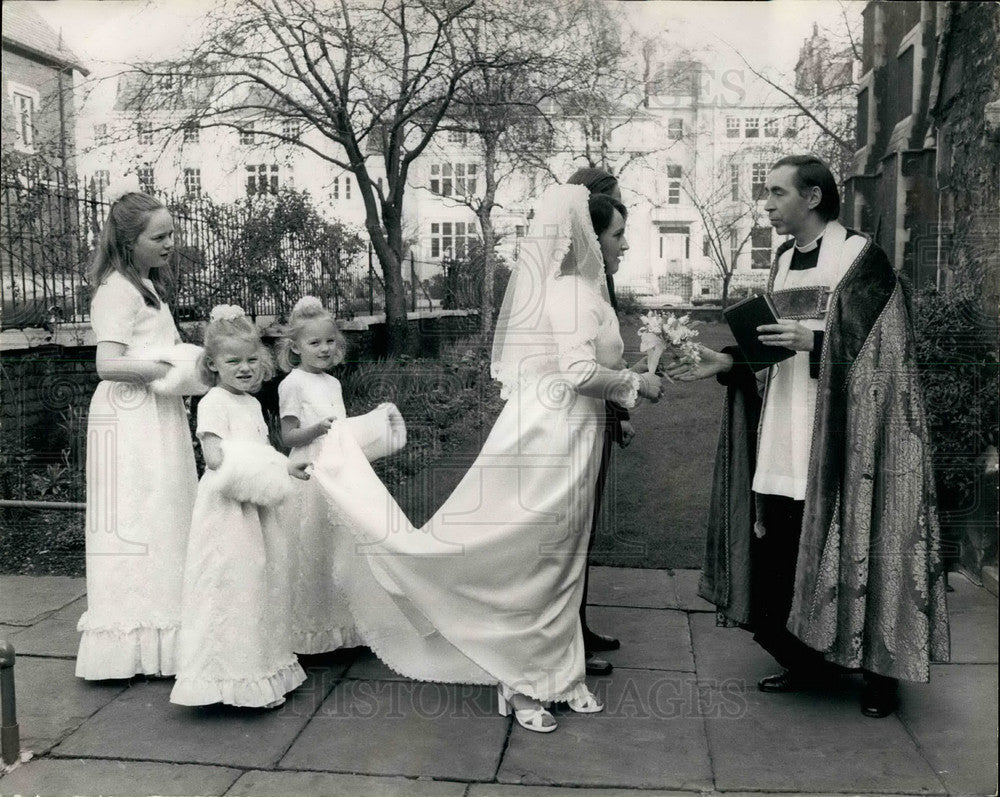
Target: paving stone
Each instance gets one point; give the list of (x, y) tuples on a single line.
[(652, 639), (810, 742), (954, 720), (727, 655), (511, 790), (650, 735), (368, 667), (403, 728), (686, 584), (972, 612), (52, 701), (143, 724), (631, 586), (62, 776), (56, 635), (321, 784), (27, 599)]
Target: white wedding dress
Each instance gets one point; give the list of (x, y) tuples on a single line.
[(489, 589)]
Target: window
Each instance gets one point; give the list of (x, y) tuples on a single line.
[(102, 179), (146, 180), (734, 181), (673, 185), (342, 187), (262, 179), (100, 134), (290, 128), (758, 179), (904, 86), (771, 127), (862, 118), (760, 253), (192, 182), (791, 128), (675, 129), (457, 137), (192, 133), (734, 245), (144, 132), (706, 246), (752, 128), (454, 179), (25, 102), (247, 135), (451, 238), (732, 127)]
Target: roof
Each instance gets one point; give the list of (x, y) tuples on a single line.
[(25, 29)]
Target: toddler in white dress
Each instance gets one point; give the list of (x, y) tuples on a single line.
[(234, 641), (310, 400)]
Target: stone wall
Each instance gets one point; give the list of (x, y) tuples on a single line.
[(46, 388)]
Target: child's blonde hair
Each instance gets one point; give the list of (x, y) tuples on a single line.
[(225, 323), (307, 309)]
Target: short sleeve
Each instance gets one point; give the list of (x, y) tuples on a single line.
[(212, 415), (114, 310), (290, 397)]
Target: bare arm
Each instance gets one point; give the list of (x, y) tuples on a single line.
[(294, 435), (211, 449), (114, 365)]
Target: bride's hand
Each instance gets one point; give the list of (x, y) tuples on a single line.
[(650, 387)]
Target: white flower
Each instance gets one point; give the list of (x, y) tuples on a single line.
[(226, 312), (123, 184)]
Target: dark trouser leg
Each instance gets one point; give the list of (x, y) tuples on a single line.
[(602, 476), (773, 560)]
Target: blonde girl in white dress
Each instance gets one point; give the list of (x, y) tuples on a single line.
[(141, 475), (234, 642), (310, 400)]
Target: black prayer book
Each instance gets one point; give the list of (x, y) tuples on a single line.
[(743, 318)]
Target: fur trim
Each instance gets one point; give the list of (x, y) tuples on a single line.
[(254, 473), (380, 432), (184, 377)]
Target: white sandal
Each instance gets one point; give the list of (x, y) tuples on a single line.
[(528, 718), (585, 705)]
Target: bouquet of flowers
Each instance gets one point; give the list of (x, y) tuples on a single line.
[(667, 333)]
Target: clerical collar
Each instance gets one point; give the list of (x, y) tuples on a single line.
[(813, 244)]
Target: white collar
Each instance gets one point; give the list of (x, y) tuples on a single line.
[(812, 244)]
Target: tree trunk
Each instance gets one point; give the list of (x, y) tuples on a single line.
[(387, 241), (725, 289), (484, 214)]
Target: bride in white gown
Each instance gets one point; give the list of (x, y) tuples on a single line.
[(488, 591)]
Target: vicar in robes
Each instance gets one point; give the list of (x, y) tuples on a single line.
[(823, 536)]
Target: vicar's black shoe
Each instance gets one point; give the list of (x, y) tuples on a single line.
[(880, 698), (789, 681), (598, 643), (596, 666)]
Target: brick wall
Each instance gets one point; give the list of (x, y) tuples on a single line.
[(43, 78)]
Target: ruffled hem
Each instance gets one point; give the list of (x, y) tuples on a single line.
[(122, 652), (310, 643), (255, 693)]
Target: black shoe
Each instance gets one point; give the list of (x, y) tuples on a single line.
[(791, 681), (880, 698), (596, 666), (598, 643)]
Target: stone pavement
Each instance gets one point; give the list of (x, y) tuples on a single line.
[(682, 716)]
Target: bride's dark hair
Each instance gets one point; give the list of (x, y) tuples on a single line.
[(602, 211)]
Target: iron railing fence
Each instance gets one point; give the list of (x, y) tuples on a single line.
[(49, 227)]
